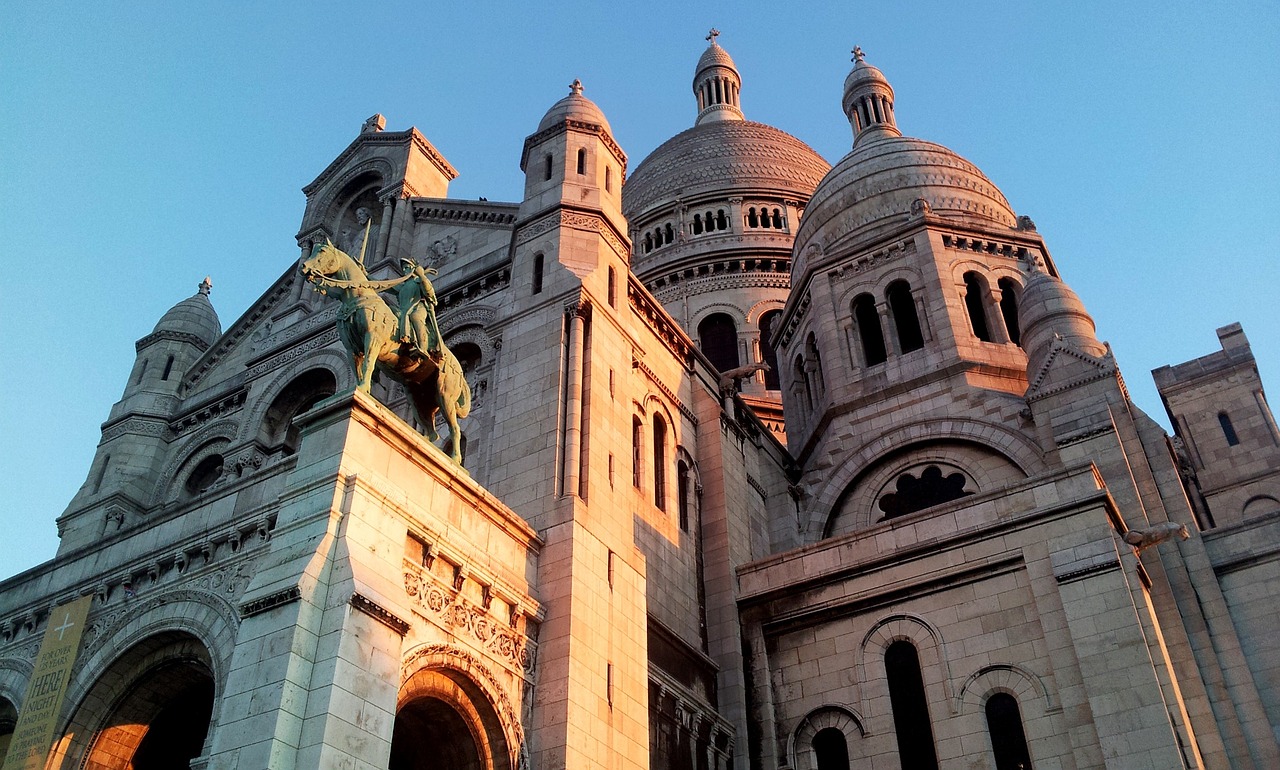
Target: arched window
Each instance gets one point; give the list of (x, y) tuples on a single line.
[(910, 707), (143, 371), (905, 320), (582, 162), (608, 178), (637, 458), (1008, 741), (205, 474), (168, 369), (682, 494), (815, 366), (648, 243), (931, 488), (772, 380), (722, 222), (468, 354), (1009, 308), (697, 224), (546, 168), (867, 320), (719, 341), (537, 273), (802, 378), (1228, 430), (831, 749), (752, 219), (668, 234), (304, 392), (613, 287), (660, 462), (974, 289)]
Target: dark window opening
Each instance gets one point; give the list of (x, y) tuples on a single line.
[(546, 169), (910, 707), (168, 369), (537, 273), (682, 494), (915, 494), (1008, 741), (1227, 429), (868, 322), (777, 219), (697, 224), (205, 475), (1009, 309), (668, 234), (831, 749), (752, 219), (722, 222), (637, 470), (608, 178), (143, 371), (973, 302), (648, 243), (719, 338), (582, 162), (903, 307), (613, 287), (772, 380), (659, 462)]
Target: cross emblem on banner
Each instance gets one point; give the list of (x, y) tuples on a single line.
[(66, 623)]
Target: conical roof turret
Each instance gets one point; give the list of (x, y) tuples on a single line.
[(194, 315)]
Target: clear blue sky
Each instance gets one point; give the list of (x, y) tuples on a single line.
[(145, 145)]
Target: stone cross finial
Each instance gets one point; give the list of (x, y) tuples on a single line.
[(205, 286), (575, 87), (374, 124), (858, 55), (712, 35)]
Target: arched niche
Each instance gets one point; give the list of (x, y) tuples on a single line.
[(277, 431)]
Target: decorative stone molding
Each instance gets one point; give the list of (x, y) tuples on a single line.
[(477, 212), (175, 336), (455, 612), (379, 613), (203, 414), (137, 426), (323, 340), (266, 603), (864, 262), (657, 382), (657, 319)]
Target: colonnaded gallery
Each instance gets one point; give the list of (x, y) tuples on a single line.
[(765, 463)]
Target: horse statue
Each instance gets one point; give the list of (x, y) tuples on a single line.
[(374, 336)]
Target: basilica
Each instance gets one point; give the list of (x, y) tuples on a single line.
[(764, 463)]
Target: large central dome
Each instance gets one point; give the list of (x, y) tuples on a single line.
[(723, 157)]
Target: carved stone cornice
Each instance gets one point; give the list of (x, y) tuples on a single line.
[(156, 427), (585, 221), (477, 212), (579, 307), (208, 411), (578, 125), (168, 334), (656, 318), (288, 356), (379, 613)]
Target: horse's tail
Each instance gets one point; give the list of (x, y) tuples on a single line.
[(464, 398)]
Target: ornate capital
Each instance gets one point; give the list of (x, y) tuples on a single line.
[(580, 307)]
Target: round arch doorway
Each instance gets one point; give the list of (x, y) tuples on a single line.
[(445, 719), (159, 698)]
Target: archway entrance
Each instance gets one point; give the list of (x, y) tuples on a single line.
[(446, 719), (150, 709), (431, 733), (160, 724), (8, 721)]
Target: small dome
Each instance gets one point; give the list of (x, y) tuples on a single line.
[(193, 315), (864, 74), (1048, 309), (714, 56), (878, 185), (741, 157), (575, 106)]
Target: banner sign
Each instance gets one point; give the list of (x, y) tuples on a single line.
[(38, 714)]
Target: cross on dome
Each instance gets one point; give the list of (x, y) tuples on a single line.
[(205, 286), (712, 35), (575, 87), (858, 55)]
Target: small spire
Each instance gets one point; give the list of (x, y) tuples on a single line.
[(205, 286), (575, 87), (712, 35), (858, 55)]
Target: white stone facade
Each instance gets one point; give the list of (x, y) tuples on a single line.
[(641, 562)]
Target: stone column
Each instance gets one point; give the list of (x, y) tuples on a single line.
[(573, 407)]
